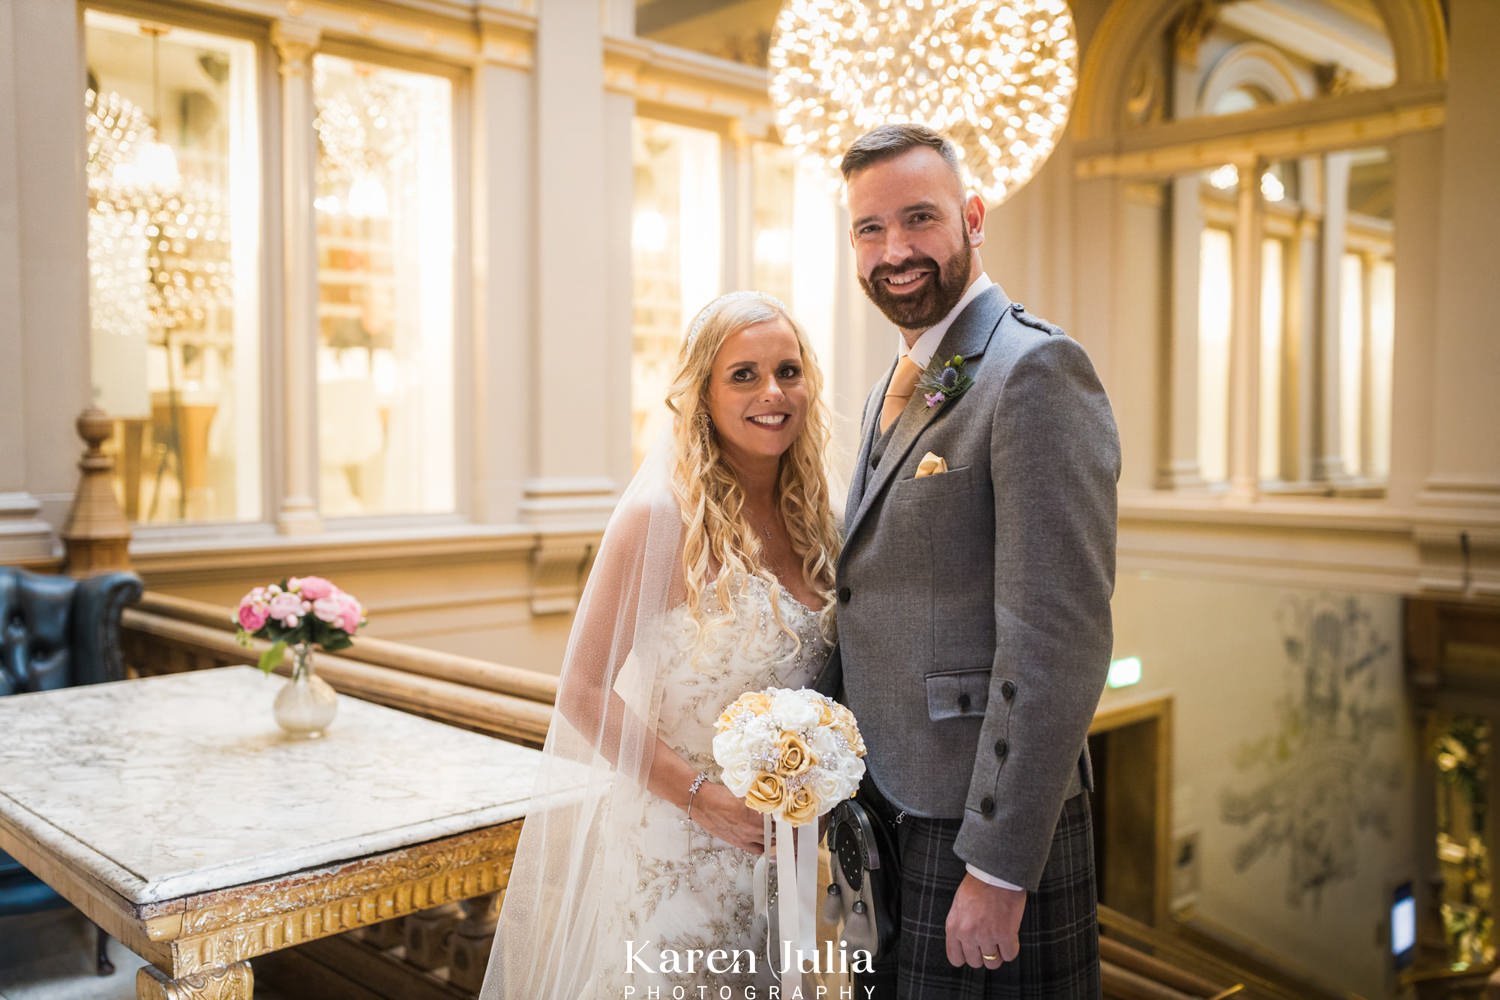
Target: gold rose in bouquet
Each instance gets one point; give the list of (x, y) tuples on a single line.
[(792, 755)]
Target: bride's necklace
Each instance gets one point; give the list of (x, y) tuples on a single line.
[(762, 527)]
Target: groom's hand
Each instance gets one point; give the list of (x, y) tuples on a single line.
[(984, 920)]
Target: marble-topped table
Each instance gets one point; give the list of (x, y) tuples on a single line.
[(179, 818)]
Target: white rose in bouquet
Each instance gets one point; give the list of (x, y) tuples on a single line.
[(792, 711), (800, 744)]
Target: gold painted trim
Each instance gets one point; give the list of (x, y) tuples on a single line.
[(234, 925), (236, 982)]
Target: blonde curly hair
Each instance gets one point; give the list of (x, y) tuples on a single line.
[(719, 537)]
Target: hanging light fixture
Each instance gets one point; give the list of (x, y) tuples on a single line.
[(995, 76), (154, 164), (364, 137)]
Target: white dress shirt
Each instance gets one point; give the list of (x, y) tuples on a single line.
[(927, 344)]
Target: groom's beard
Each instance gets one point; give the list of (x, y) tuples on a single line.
[(925, 308)]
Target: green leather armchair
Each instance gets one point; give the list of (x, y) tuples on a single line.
[(56, 631)]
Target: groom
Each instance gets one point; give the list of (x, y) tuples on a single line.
[(973, 594)]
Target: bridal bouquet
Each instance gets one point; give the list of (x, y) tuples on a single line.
[(791, 755), (299, 611)]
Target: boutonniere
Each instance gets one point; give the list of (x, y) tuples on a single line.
[(944, 380)]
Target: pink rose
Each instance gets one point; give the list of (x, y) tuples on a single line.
[(350, 613), (313, 588), (328, 609), (252, 616), (286, 609)]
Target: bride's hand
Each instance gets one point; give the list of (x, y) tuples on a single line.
[(725, 815)]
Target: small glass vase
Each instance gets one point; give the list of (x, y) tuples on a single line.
[(306, 705)]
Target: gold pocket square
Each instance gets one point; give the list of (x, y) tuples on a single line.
[(931, 465)]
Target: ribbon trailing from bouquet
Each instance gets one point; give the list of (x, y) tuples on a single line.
[(792, 756)]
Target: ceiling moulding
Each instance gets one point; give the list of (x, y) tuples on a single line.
[(1273, 133), (660, 74), (443, 29), (506, 37)]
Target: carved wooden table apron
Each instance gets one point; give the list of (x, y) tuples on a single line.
[(174, 814)]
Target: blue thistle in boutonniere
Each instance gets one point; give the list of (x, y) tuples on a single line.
[(943, 381)]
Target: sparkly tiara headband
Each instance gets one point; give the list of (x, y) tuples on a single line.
[(701, 320)]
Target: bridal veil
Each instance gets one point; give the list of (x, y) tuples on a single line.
[(571, 864)]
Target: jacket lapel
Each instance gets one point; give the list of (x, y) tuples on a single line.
[(969, 336), (869, 431)]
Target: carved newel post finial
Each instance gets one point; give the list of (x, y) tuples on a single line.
[(96, 536)]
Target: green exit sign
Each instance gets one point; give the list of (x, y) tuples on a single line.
[(1125, 672)]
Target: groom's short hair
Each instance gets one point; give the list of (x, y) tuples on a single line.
[(887, 141)]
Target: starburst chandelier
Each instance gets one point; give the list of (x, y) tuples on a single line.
[(177, 233), (995, 76)]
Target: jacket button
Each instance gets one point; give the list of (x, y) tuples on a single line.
[(1008, 690), (1001, 749), (844, 595), (964, 701), (987, 806)]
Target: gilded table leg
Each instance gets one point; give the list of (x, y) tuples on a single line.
[(233, 982)]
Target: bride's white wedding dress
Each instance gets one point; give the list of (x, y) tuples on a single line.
[(692, 892)]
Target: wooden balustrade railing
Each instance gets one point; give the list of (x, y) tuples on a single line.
[(1137, 971), (1188, 960), (165, 634)]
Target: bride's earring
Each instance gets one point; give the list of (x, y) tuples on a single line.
[(705, 422)]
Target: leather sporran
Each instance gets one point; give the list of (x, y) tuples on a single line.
[(864, 895)]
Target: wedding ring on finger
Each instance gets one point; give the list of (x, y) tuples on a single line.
[(989, 958)]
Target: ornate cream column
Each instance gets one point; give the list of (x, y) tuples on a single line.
[(44, 323), (622, 64), (504, 267), (1299, 413), (571, 403), (1179, 467), (22, 533), (1244, 338), (1419, 186), (298, 512), (1329, 463), (1460, 497), (739, 217)]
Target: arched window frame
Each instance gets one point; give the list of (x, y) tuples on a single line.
[(1125, 132)]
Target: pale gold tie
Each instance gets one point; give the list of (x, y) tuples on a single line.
[(903, 384)]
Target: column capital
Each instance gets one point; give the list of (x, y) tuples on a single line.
[(295, 42)]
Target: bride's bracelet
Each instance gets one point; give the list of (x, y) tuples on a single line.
[(693, 791)]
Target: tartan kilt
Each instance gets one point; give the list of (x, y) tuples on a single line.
[(1059, 957)]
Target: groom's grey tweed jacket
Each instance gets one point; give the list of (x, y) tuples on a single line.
[(974, 621)]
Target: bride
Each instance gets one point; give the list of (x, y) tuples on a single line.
[(634, 867)]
